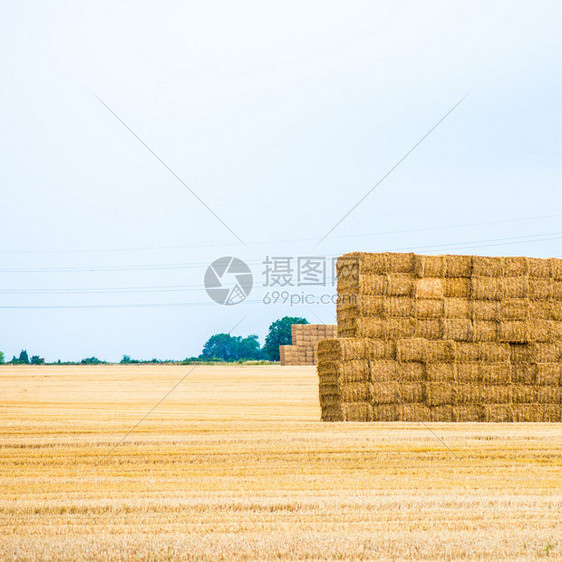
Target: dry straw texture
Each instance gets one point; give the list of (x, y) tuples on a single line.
[(445, 338)]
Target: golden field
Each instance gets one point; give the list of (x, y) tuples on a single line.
[(236, 464)]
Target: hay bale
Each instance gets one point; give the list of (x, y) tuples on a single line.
[(415, 413), (373, 328), (524, 393), (494, 352), (430, 266), (549, 374), (524, 373), (468, 413), (557, 290), (411, 349), (357, 392), (516, 287), (467, 351), (400, 285), (549, 395), (440, 351), (399, 307), (387, 412), (485, 331), (548, 352), (442, 413), (541, 289), (540, 310), (550, 413), (483, 266), (556, 268), (355, 370), (332, 413), (399, 328), (439, 394), (487, 288), (470, 372), (384, 370), (441, 372), (412, 372), (498, 413), (386, 393), (370, 284), (399, 262), (468, 394), (539, 268), (514, 331), (457, 287), (488, 310), (523, 352), (496, 394), (515, 266), (430, 308), (496, 373), (527, 413), (357, 411), (429, 288), (431, 329), (412, 392), (458, 329), (458, 266), (540, 330), (457, 308), (515, 309)]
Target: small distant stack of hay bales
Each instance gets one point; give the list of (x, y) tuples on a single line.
[(444, 338), (305, 338)]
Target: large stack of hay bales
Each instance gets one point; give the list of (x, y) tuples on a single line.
[(305, 338), (444, 338)]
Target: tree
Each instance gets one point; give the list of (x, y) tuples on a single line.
[(36, 360), (126, 359), (24, 358), (1, 358), (280, 334), (91, 361), (231, 348)]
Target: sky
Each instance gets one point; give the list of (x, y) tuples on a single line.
[(140, 141)]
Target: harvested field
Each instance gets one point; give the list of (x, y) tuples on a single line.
[(237, 464)]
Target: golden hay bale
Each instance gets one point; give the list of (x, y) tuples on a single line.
[(469, 372), (384, 370), (541, 309), (494, 352), (440, 351), (370, 305), (468, 413), (411, 372), (527, 413), (485, 331), (370, 284), (496, 394), (458, 329), (355, 370), (540, 288), (496, 373), (457, 308), (377, 263), (357, 392), (514, 309), (457, 287), (430, 308), (386, 412), (415, 413), (441, 372), (549, 374), (483, 266), (401, 262), (443, 413), (429, 288), (468, 394), (399, 307), (523, 352), (524, 373), (524, 393), (431, 329), (515, 266), (486, 310), (548, 352), (467, 351), (386, 393), (411, 349), (539, 268), (332, 413), (550, 395), (439, 393), (498, 413), (398, 328), (400, 285), (487, 288), (556, 268), (540, 330), (515, 287), (514, 331), (357, 411), (412, 392), (369, 327), (430, 266), (551, 413), (458, 266), (556, 310)]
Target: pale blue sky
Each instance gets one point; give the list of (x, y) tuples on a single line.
[(280, 117)]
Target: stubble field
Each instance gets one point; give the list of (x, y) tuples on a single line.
[(235, 464)]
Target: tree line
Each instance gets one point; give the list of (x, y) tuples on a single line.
[(218, 348)]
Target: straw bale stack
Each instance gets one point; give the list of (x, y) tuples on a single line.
[(305, 337), (443, 338)]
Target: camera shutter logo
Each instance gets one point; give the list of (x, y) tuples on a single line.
[(228, 280)]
